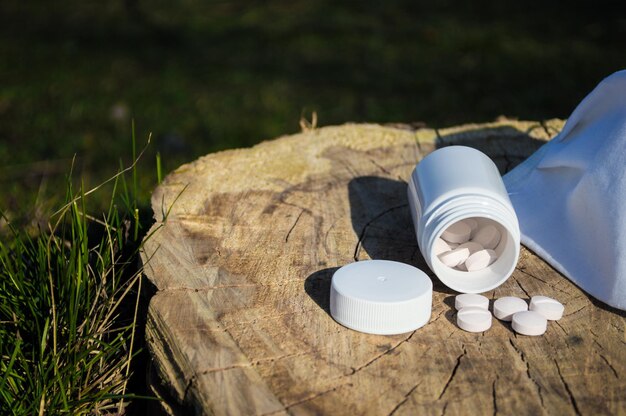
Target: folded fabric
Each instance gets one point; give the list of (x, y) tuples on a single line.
[(570, 195)]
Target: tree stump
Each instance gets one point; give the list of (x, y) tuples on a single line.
[(242, 253)]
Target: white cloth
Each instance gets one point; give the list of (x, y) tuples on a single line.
[(570, 195)]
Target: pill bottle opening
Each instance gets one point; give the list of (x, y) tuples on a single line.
[(486, 272)]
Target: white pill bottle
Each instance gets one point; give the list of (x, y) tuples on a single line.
[(456, 183)]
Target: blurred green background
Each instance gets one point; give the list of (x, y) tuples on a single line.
[(209, 75)]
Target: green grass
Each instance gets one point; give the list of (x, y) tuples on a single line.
[(210, 75), (69, 303)]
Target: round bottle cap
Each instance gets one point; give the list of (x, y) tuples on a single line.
[(381, 297)]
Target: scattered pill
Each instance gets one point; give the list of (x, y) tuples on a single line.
[(458, 255), (505, 307), (471, 300), (440, 247), (473, 319), (480, 260), (550, 308), (459, 232), (454, 257), (529, 323), (472, 223), (487, 236)]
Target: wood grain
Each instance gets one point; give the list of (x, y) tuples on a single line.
[(242, 266)]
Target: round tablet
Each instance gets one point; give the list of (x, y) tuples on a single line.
[(471, 299), (480, 259), (505, 307), (381, 297), (454, 257), (459, 232), (550, 308), (529, 323), (487, 236), (473, 319), (472, 223), (440, 247)]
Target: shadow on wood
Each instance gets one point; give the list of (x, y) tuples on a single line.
[(317, 286), (240, 322), (505, 145), (381, 218)]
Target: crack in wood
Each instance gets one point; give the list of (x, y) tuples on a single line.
[(523, 270), (395, 166), (326, 234), (567, 389), (528, 375), (351, 172), (405, 399), (293, 226), (379, 356), (577, 310), (561, 326), (454, 370), (193, 378), (189, 383), (609, 364), (493, 396), (307, 399), (547, 128), (445, 408), (357, 248), (522, 287), (206, 289), (439, 139), (382, 168), (439, 315), (419, 146), (595, 341), (229, 286), (252, 363)]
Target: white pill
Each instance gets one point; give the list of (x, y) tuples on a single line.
[(472, 246), (487, 236), (550, 308), (480, 260), (459, 232), (529, 323), (454, 257), (470, 300), (505, 307), (440, 246), (473, 319), (472, 223)]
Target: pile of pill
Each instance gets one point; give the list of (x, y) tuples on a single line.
[(468, 245), (473, 313)]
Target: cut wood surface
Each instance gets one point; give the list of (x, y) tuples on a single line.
[(245, 244)]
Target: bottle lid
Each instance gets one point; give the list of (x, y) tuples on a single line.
[(381, 297)]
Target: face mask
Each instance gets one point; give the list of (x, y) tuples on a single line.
[(570, 195)]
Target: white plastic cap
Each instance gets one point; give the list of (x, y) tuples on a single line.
[(381, 297)]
